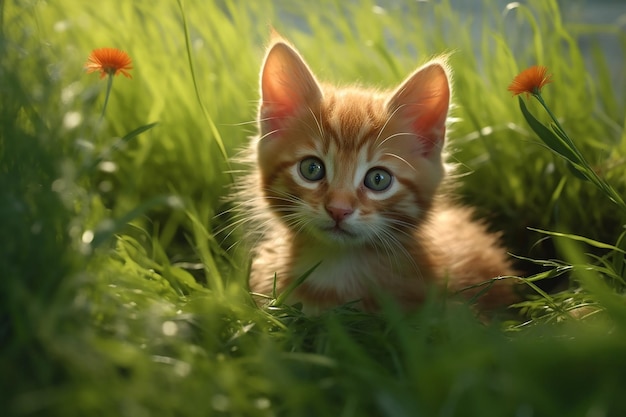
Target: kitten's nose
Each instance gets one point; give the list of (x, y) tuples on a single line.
[(338, 212)]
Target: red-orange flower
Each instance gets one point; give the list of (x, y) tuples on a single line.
[(109, 61), (530, 81)]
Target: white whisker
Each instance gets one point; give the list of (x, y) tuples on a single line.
[(393, 155), (269, 134), (386, 123), (394, 136), (390, 237), (319, 125)]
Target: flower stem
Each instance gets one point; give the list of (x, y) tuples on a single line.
[(589, 172), (108, 93), (564, 135)]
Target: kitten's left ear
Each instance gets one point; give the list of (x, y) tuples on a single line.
[(288, 86), (422, 101)]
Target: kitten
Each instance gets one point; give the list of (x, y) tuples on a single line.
[(349, 178)]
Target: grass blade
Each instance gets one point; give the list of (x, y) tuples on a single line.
[(121, 142), (112, 227), (588, 241), (216, 134), (295, 284), (553, 141)]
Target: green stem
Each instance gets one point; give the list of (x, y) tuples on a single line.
[(106, 97), (590, 172), (570, 143)]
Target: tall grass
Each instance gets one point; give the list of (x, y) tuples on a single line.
[(117, 298)]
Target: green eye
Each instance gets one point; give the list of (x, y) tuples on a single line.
[(312, 169), (377, 179)]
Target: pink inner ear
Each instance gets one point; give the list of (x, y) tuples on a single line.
[(422, 101), (273, 117), (287, 86), (275, 92)]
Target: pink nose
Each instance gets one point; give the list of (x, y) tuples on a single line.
[(339, 213)]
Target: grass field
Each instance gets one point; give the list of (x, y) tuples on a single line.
[(118, 297)]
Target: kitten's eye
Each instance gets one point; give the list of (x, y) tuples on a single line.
[(377, 179), (312, 169)]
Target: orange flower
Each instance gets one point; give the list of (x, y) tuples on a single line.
[(530, 81), (109, 61)]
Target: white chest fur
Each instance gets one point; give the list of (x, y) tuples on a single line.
[(347, 272)]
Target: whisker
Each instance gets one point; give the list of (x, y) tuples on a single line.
[(386, 123), (394, 136), (319, 126), (382, 241), (269, 133), (401, 159), (249, 122), (390, 238)]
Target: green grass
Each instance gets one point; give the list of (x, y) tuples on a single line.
[(118, 298)]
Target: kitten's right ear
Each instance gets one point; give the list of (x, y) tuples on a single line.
[(287, 86), (422, 101)]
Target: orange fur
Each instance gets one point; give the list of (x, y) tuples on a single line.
[(350, 177)]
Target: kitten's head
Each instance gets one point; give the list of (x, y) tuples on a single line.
[(346, 165)]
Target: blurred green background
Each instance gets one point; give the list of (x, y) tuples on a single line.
[(120, 293)]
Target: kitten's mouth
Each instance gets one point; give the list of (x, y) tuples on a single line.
[(337, 231)]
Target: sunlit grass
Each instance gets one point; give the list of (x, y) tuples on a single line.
[(118, 297)]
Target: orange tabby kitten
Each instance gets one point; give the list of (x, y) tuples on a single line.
[(348, 178)]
